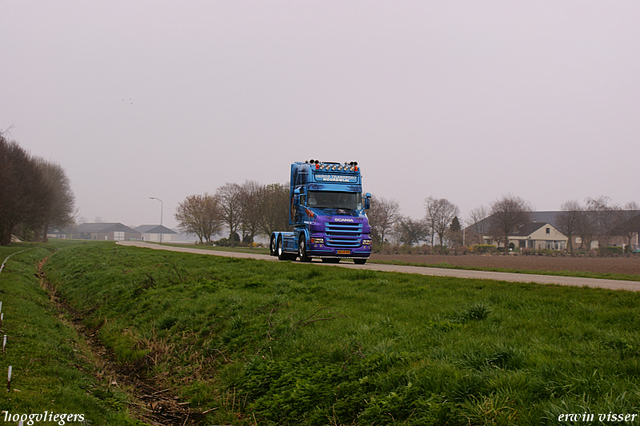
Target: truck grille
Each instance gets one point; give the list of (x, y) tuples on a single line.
[(339, 234)]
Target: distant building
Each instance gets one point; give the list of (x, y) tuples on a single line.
[(58, 233), (542, 232), (535, 235), (156, 233), (106, 232)]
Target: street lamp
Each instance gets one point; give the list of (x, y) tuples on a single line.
[(161, 210)]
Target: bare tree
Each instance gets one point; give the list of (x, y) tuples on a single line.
[(62, 207), (507, 215), (382, 216), (568, 221), (438, 217), (586, 228), (628, 223), (199, 215), (229, 199), (604, 217), (251, 209), (447, 212), (274, 207), (409, 231), (431, 207), (478, 225)]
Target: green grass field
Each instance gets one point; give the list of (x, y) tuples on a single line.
[(578, 274), (52, 368), (281, 343)]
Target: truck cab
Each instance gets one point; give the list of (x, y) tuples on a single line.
[(327, 211)]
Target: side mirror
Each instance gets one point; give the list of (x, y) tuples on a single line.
[(367, 201), (296, 197)]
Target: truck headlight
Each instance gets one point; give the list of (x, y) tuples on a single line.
[(317, 240), (366, 242)]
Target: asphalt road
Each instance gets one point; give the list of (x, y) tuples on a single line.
[(459, 273)]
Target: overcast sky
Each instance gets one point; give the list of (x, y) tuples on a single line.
[(464, 100)]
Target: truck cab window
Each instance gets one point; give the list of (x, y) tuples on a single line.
[(335, 200)]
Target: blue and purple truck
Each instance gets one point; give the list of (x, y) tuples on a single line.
[(327, 211)]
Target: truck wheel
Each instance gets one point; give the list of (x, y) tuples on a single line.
[(280, 251), (359, 261), (272, 246), (302, 249)]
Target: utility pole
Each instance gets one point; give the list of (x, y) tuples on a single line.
[(161, 212)]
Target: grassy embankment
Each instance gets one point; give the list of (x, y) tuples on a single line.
[(52, 369), (282, 343)]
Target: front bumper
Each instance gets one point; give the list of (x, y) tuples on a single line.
[(322, 251)]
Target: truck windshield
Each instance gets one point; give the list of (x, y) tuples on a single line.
[(334, 200)]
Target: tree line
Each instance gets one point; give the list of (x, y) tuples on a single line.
[(598, 219), (440, 225), (251, 209), (35, 194)]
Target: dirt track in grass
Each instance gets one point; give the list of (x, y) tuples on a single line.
[(618, 265)]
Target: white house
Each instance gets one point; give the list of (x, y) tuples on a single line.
[(156, 233), (535, 235)]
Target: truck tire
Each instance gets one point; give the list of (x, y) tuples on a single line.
[(272, 246), (302, 249), (359, 261), (281, 254), (280, 250)]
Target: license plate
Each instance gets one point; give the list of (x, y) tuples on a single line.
[(344, 252)]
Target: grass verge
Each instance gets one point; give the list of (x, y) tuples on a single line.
[(578, 274), (52, 368), (249, 341)]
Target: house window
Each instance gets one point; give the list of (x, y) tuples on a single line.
[(548, 230), (118, 235)]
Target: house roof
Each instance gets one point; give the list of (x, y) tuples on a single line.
[(528, 229), (549, 217), (154, 229), (537, 220), (103, 228)]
